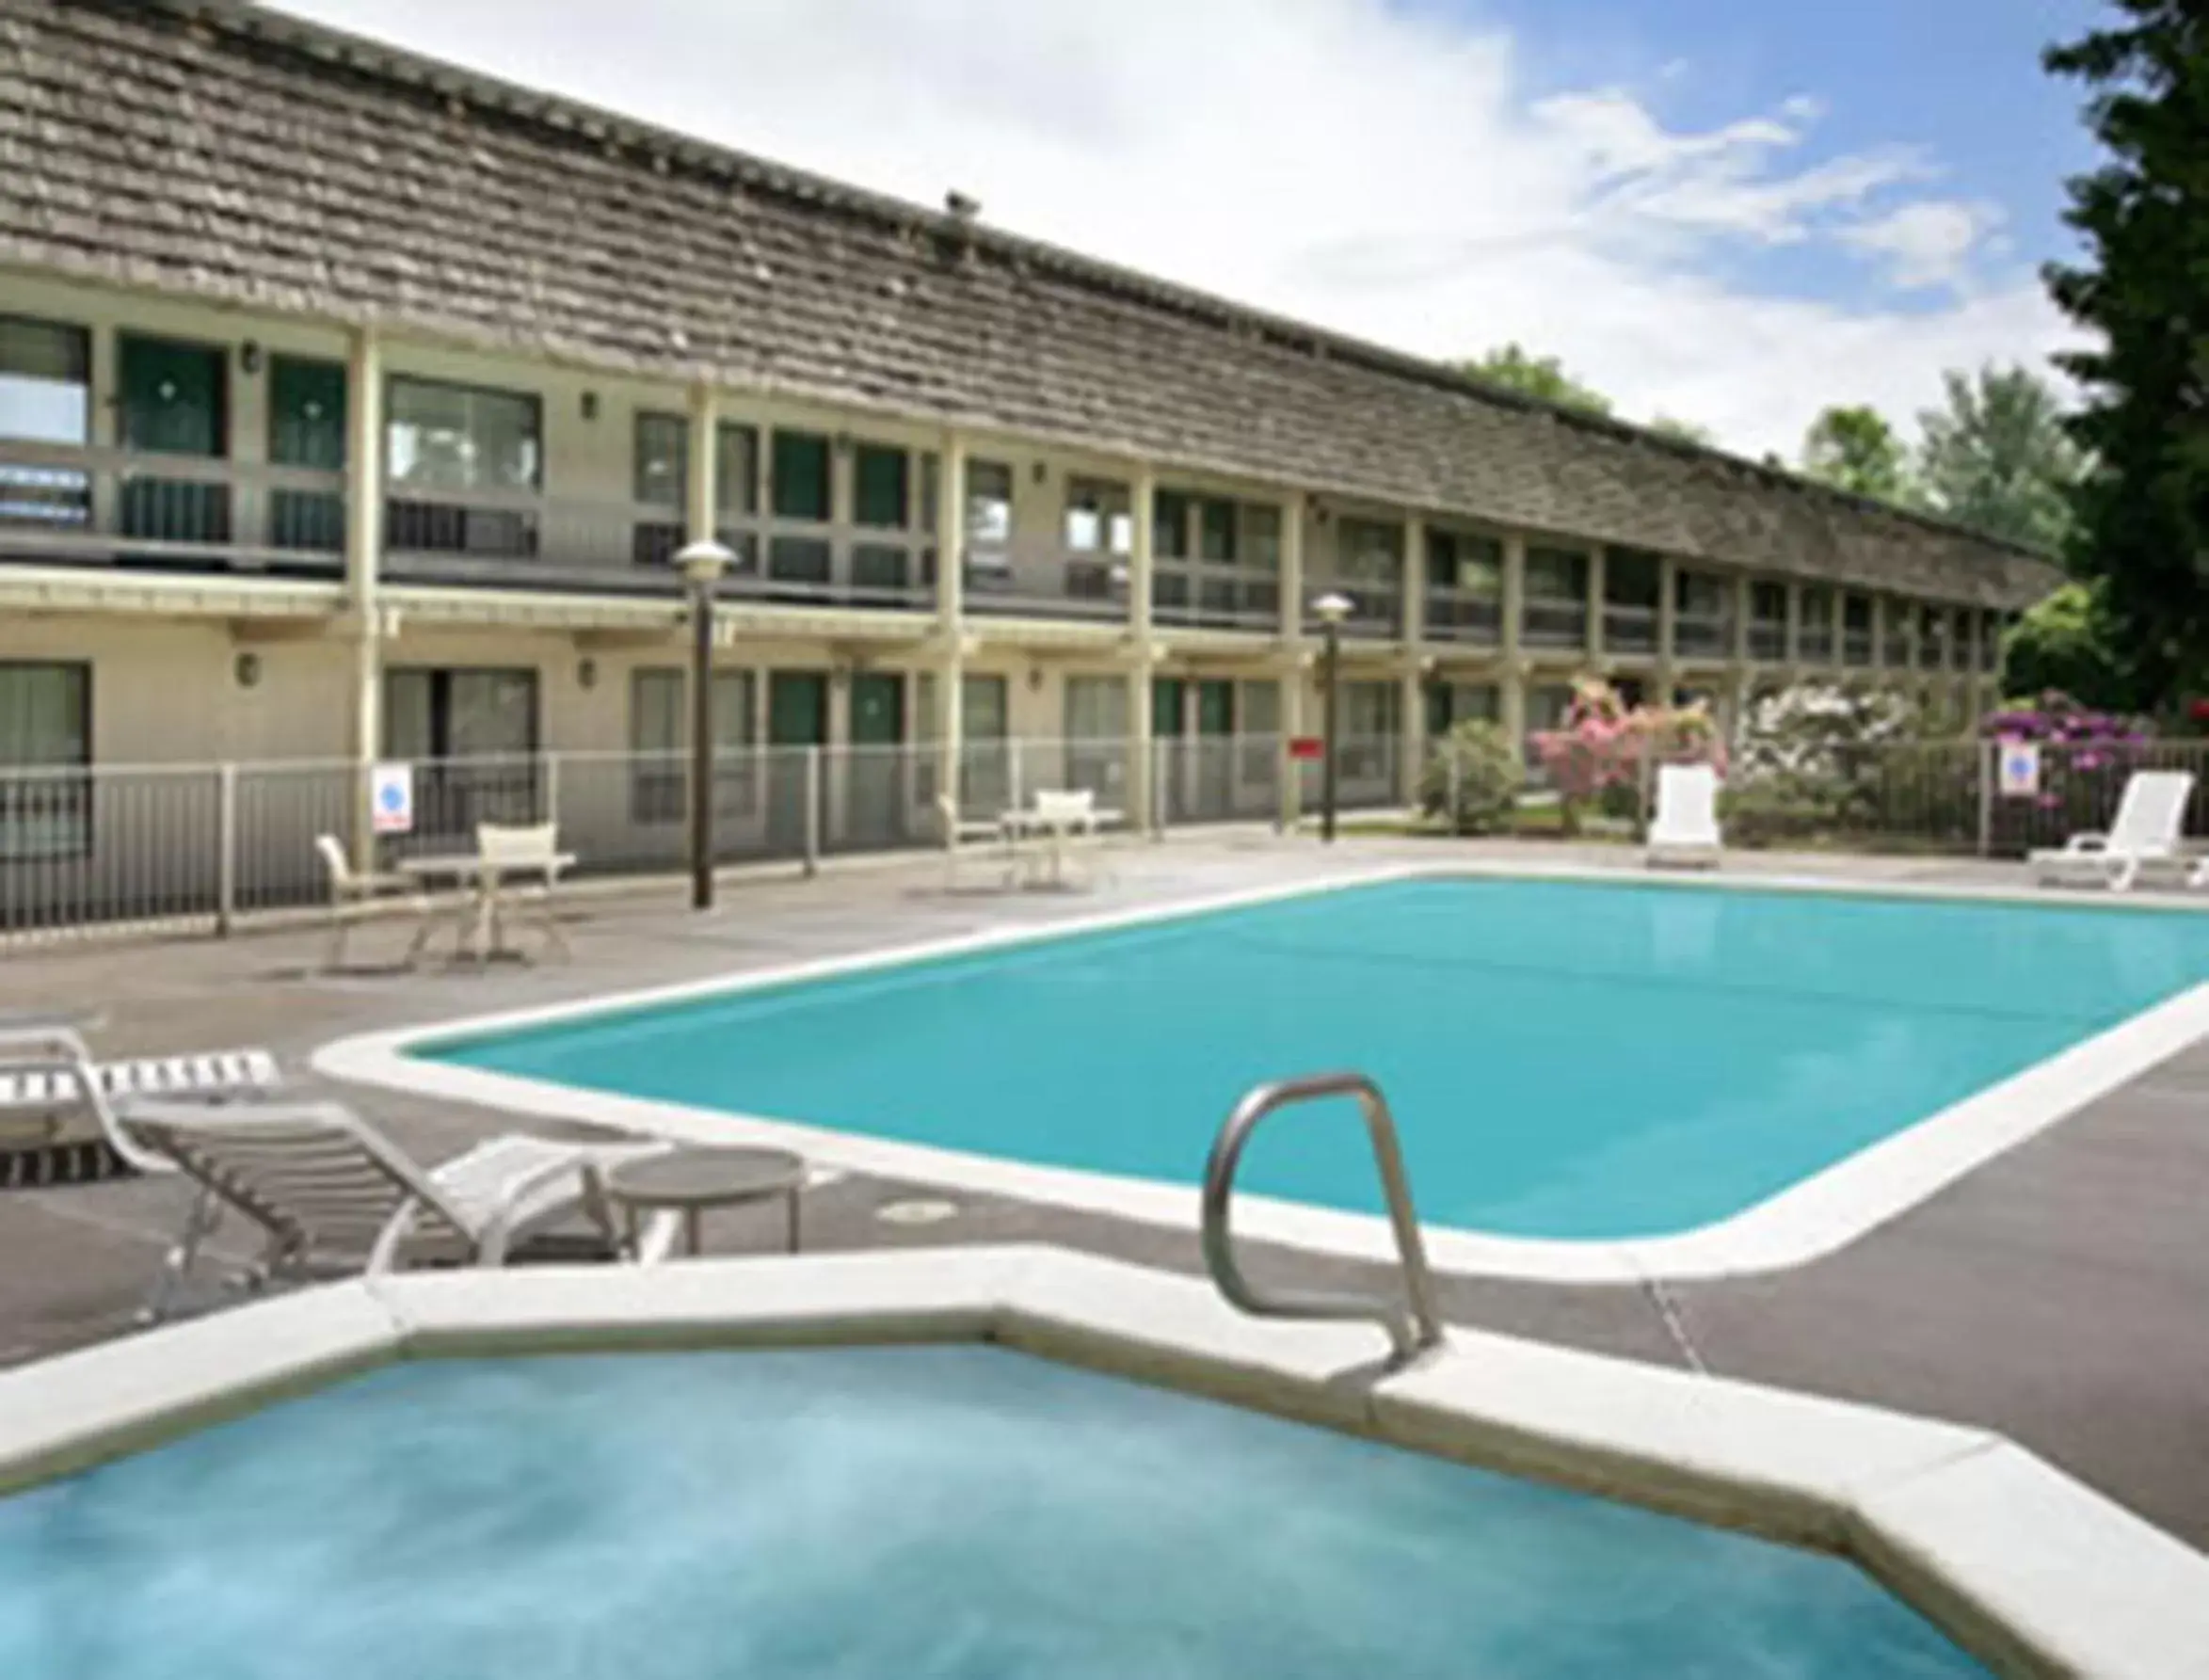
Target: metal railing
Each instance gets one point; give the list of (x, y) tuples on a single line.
[(1415, 1323), (197, 848), (1468, 615), (1212, 595)]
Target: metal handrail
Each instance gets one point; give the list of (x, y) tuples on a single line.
[(1415, 1323)]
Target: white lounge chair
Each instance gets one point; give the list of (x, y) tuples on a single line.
[(2145, 834), (332, 1194), (355, 897), (521, 866), (963, 835), (1685, 831), (49, 1083), (1066, 818)]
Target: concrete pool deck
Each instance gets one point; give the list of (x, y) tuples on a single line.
[(2053, 1294)]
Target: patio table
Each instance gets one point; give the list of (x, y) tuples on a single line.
[(477, 928)]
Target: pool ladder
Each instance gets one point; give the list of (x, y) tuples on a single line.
[(1414, 1323)]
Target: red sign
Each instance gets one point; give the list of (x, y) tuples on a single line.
[(1307, 746)]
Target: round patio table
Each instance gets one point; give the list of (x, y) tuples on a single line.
[(689, 1181)]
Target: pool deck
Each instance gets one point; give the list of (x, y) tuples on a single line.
[(2058, 1294)]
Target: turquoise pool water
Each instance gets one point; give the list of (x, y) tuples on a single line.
[(887, 1514), (1565, 1060)]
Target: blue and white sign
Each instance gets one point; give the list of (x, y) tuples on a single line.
[(391, 799), (2019, 775)]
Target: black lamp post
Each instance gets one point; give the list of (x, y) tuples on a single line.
[(702, 565), (1331, 610)]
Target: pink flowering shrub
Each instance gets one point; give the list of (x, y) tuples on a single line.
[(2085, 755), (1597, 757)]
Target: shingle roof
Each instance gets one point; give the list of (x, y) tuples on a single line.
[(231, 152)]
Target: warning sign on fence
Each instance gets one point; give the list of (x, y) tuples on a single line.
[(390, 798), (2019, 777)]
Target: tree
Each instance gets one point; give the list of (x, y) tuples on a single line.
[(2143, 510), (1541, 377), (1998, 458), (1686, 430), (1855, 449), (2068, 643)]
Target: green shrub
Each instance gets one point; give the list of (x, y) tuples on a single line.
[(1472, 779)]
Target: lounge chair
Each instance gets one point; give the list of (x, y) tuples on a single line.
[(522, 868), (355, 897), (333, 1194), (963, 835), (49, 1084), (2145, 834), (1685, 832)]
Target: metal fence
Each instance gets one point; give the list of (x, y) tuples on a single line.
[(196, 848)]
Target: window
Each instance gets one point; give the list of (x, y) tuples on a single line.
[(46, 730), (1632, 578), (306, 429), (659, 734), (800, 489), (1370, 551), (882, 487), (1557, 574), (1261, 537), (736, 471), (173, 397), (1458, 561), (1258, 713), (1169, 526), (471, 735), (1698, 595), (444, 437), (1097, 518), (1768, 602), (46, 397), (662, 460), (1216, 533), (1096, 708), (989, 504)]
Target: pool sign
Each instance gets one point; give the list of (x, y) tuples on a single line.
[(2020, 769), (391, 799)]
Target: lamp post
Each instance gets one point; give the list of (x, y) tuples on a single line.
[(1331, 609), (702, 565)]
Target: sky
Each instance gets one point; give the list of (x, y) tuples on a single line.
[(1728, 212)]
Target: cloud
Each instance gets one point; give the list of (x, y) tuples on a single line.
[(1382, 170), (1930, 243)]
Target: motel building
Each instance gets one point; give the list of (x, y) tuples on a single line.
[(353, 407)]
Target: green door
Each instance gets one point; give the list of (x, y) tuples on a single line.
[(169, 399), (874, 801), (1214, 790), (306, 429), (1169, 758), (797, 716)]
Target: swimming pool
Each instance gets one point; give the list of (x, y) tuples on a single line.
[(1567, 1060), (946, 1511)]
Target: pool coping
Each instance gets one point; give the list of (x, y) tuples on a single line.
[(1807, 1220), (2026, 1568)]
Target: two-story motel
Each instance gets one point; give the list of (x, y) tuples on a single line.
[(353, 404)]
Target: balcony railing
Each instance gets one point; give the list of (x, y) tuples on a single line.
[(1376, 608), (1044, 580), (1215, 596), (67, 505), (1814, 645), (1856, 648), (516, 539), (1702, 635), (1471, 615), (1931, 653), (1628, 629), (1768, 640), (1550, 621), (1896, 645)]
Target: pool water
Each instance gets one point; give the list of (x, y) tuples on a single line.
[(921, 1514), (1565, 1060)]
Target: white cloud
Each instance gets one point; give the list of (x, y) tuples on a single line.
[(1380, 172), (1930, 243)]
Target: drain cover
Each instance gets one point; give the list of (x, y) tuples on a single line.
[(917, 1211)]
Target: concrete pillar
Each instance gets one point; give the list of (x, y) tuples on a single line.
[(363, 557), (1512, 680), (1142, 768), (951, 578), (1294, 511), (701, 489), (1595, 610)]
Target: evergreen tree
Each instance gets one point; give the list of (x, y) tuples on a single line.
[(2143, 511)]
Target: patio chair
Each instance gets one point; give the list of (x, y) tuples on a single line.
[(355, 897), (332, 1195), (50, 1082), (963, 835), (1685, 832), (1070, 818), (2145, 834), (534, 855)]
